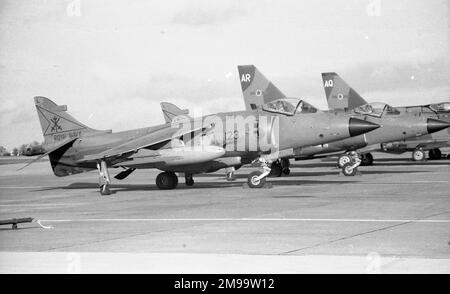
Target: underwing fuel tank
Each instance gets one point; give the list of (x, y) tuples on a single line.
[(173, 156)]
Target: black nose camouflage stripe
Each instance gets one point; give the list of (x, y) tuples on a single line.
[(435, 125)]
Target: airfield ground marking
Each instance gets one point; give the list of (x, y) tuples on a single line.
[(247, 220), (406, 222), (334, 182)]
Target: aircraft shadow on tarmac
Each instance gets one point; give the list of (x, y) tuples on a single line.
[(377, 162), (198, 185), (222, 183), (19, 228), (322, 173)]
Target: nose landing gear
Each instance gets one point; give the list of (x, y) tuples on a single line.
[(418, 155), (350, 168), (257, 179)]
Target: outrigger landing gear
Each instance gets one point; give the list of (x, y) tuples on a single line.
[(167, 180), (351, 168), (230, 174), (104, 179), (189, 180), (257, 179)]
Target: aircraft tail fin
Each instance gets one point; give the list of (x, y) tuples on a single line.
[(171, 111), (256, 88), (339, 94), (58, 125)]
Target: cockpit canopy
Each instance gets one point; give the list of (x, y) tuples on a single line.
[(440, 107), (289, 106), (377, 109)]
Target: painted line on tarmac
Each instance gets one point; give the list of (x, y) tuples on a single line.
[(42, 204), (25, 187), (406, 183), (247, 220), (334, 182)]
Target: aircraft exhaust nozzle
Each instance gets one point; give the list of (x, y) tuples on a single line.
[(435, 125), (358, 126)]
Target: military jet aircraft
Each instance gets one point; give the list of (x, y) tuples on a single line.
[(341, 96), (189, 146), (394, 125)]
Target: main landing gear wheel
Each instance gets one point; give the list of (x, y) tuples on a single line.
[(167, 180), (435, 153), (343, 159), (418, 155), (275, 169), (254, 180), (286, 171), (348, 170), (189, 180), (366, 159), (285, 164)]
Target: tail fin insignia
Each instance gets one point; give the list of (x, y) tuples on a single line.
[(56, 124)]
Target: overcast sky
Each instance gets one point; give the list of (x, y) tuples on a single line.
[(113, 62)]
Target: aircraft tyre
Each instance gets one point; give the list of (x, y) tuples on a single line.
[(167, 181), (366, 159), (435, 153), (418, 155), (343, 159), (253, 181), (190, 182), (348, 170), (276, 170)]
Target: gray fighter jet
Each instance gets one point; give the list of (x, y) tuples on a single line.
[(395, 125), (340, 96), (189, 145)]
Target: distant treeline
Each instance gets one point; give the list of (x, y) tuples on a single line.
[(34, 148)]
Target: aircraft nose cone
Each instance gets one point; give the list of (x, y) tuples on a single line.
[(435, 125), (358, 126)]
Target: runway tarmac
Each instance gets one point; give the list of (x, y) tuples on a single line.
[(394, 218)]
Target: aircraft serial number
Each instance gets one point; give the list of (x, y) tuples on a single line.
[(60, 137)]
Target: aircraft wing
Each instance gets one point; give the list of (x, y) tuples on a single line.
[(132, 146), (434, 144)]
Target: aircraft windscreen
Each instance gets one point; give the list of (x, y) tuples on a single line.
[(284, 106), (441, 107), (376, 109), (305, 107), (289, 106)]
